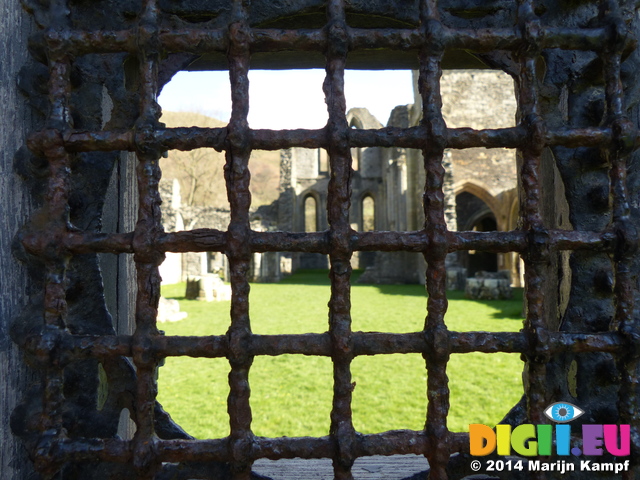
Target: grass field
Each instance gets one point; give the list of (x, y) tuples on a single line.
[(291, 394)]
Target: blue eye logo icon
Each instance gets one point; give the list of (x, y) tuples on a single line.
[(563, 412)]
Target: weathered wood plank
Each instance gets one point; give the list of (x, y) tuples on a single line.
[(396, 467), (14, 209)]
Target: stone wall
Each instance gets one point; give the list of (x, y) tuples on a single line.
[(394, 179), (478, 99), (491, 169), (483, 99)]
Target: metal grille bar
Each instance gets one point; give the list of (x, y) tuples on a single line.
[(237, 177), (201, 41), (536, 324), (55, 242), (437, 352), (195, 137), (147, 259), (623, 319), (57, 197)]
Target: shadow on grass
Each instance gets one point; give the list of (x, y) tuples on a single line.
[(307, 277), (511, 309), (315, 277), (506, 309), (174, 291)]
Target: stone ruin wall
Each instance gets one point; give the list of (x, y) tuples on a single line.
[(395, 178), (484, 99), (478, 99)]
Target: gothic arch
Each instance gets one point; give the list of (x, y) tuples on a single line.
[(356, 152), (355, 122), (368, 213), (512, 219), (474, 213), (363, 119), (310, 200), (483, 193), (514, 262)]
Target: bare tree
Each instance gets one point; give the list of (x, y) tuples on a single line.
[(201, 176), (201, 171)]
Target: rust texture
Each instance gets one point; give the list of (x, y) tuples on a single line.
[(237, 176), (160, 450), (435, 331), (536, 325)]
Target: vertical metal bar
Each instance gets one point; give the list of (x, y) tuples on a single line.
[(435, 330), (238, 177), (536, 257), (614, 109), (624, 133), (338, 204), (147, 258), (57, 218)]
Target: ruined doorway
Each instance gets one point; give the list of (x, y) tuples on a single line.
[(478, 260), (474, 215)]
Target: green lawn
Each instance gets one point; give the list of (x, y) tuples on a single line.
[(291, 394)]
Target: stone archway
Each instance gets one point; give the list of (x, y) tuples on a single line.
[(474, 214), (482, 192)]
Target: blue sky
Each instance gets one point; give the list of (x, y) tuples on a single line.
[(287, 98)]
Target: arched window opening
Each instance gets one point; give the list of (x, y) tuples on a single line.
[(310, 214), (368, 214), (480, 260), (475, 215), (323, 161), (355, 152)]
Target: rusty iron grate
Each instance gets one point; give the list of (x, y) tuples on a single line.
[(55, 241)]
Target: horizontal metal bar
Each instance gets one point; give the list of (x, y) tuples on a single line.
[(487, 342), (486, 40), (198, 240), (215, 40), (90, 449), (212, 240), (91, 242), (74, 347), (392, 442), (191, 138), (304, 344), (215, 450)]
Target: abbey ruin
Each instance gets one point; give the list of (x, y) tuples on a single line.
[(387, 185)]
